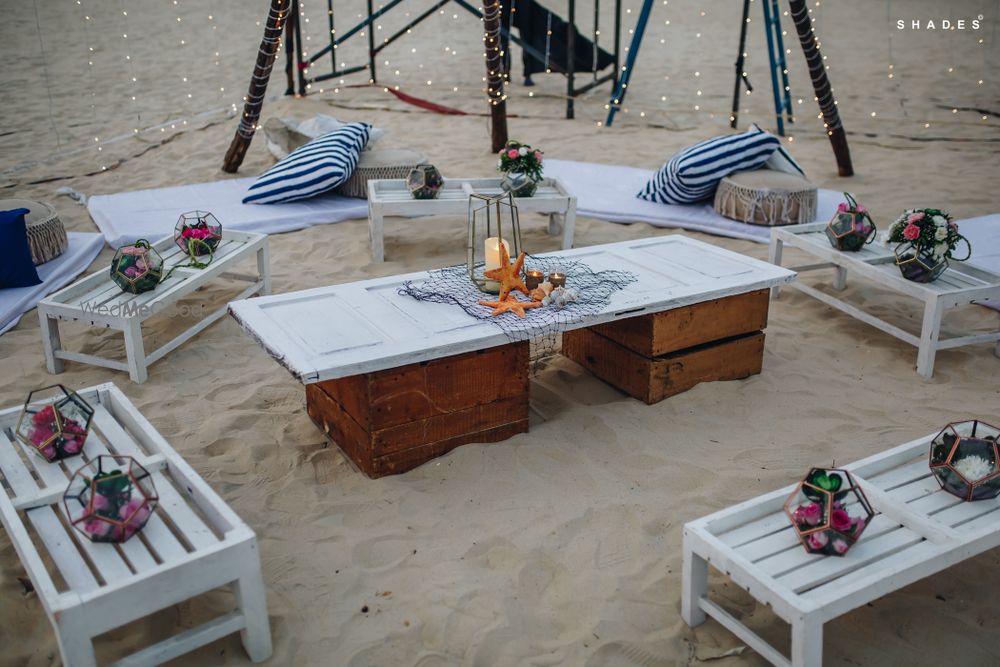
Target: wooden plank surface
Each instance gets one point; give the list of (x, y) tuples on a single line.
[(353, 328)]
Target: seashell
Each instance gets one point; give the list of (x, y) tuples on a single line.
[(538, 294), (563, 296), (545, 287), (547, 301)]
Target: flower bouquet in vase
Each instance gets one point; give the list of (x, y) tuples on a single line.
[(828, 511), (137, 268), (965, 459), (926, 239), (110, 499), (54, 422), (521, 166), (198, 233), (851, 228)]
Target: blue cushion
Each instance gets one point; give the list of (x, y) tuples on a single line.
[(693, 174), (16, 267), (313, 168)]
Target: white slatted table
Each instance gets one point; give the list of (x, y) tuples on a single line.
[(343, 330), (99, 302), (918, 530), (391, 197), (192, 544), (960, 285)]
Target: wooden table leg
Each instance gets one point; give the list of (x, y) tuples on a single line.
[(569, 225), (807, 642), (929, 334), (774, 252), (376, 232), (840, 278), (51, 342), (264, 268), (694, 586), (134, 351)]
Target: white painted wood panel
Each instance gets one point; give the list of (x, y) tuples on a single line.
[(343, 330)]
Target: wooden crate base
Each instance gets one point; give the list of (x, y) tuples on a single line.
[(392, 421), (652, 379)]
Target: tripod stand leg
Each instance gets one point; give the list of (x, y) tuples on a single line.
[(619, 95), (740, 58)]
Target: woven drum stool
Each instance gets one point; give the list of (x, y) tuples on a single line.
[(766, 197), (395, 163), (46, 234)]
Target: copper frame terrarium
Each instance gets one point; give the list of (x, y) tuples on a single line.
[(54, 422), (493, 222), (110, 498), (424, 181), (198, 233), (850, 229), (829, 511), (965, 459), (137, 268)]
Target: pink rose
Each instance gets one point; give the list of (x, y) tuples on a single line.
[(538, 155), (132, 272), (97, 528), (841, 547), (134, 512), (861, 209), (39, 435), (808, 514), (911, 232), (512, 153), (859, 525), (48, 452), (915, 217), (100, 503), (72, 445), (817, 541), (842, 207), (44, 416), (840, 520)]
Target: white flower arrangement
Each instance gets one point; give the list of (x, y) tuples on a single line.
[(973, 468)]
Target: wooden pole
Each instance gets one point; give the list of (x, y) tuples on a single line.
[(494, 74), (821, 84), (258, 86)]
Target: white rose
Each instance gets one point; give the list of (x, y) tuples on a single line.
[(939, 221), (499, 163), (522, 150), (941, 233), (940, 249)]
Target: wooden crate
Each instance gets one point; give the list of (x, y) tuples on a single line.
[(392, 421), (655, 356)]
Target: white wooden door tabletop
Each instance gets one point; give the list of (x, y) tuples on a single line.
[(192, 543), (391, 197), (342, 330), (960, 285), (99, 302), (918, 530)]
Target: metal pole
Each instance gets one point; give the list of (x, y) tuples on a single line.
[(640, 27), (740, 59), (571, 60), (769, 29), (290, 60), (371, 44)]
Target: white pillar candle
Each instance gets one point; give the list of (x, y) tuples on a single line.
[(491, 252)]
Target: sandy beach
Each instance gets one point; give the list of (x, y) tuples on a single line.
[(561, 546)]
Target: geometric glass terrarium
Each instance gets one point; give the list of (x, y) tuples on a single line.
[(137, 268), (851, 228), (424, 181), (198, 233), (829, 511), (110, 499), (493, 222), (54, 422), (917, 264), (965, 461)]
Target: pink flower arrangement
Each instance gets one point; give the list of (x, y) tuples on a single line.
[(911, 232), (840, 520), (51, 442), (116, 510), (817, 540), (197, 233), (828, 511), (809, 514), (518, 157)]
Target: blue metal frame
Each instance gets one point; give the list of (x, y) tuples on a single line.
[(633, 51)]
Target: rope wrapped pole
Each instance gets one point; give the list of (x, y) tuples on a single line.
[(258, 86), (821, 84), (493, 47)]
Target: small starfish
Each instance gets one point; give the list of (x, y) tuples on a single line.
[(507, 274), (510, 304)]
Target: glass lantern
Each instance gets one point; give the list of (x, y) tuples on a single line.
[(54, 422), (493, 222), (851, 228), (829, 511), (110, 498), (965, 460), (198, 233), (425, 181), (137, 268), (917, 264)]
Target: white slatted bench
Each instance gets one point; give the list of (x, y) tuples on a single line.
[(918, 530), (192, 544), (97, 301), (960, 285), (391, 197)]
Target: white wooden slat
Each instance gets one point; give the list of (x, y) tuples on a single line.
[(755, 529), (752, 639), (184, 642), (959, 515), (190, 525), (340, 330), (901, 475), (47, 526)]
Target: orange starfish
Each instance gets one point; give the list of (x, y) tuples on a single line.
[(510, 304), (507, 274)]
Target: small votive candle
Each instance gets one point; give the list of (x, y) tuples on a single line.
[(533, 279), (557, 279)]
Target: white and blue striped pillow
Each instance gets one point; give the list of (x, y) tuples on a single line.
[(313, 168), (693, 174)]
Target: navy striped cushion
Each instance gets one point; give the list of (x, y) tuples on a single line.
[(693, 174), (313, 168)]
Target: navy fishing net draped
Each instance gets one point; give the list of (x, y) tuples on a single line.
[(451, 285)]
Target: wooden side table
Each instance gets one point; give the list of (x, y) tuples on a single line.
[(99, 302)]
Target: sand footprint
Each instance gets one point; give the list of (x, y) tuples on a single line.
[(624, 654), (381, 552)]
